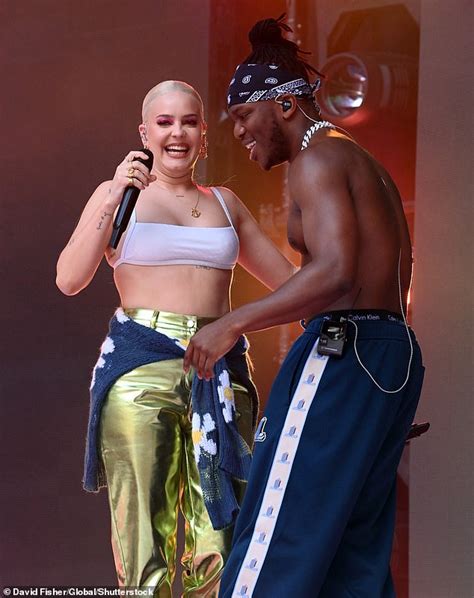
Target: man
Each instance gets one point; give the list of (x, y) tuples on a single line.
[(318, 516)]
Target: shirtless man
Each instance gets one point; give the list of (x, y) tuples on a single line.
[(318, 517)]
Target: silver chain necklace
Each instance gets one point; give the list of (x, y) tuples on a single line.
[(312, 130)]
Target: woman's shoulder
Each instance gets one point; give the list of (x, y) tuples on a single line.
[(224, 191), (230, 199)]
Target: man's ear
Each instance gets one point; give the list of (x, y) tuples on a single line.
[(288, 104)]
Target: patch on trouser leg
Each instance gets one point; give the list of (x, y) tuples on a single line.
[(260, 434)]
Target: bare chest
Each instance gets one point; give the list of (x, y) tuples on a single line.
[(295, 229)]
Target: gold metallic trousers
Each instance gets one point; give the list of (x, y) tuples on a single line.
[(148, 455)]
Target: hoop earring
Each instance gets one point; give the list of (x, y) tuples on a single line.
[(204, 146)]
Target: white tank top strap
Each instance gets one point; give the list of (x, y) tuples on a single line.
[(218, 194)]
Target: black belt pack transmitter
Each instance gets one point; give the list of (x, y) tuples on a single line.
[(332, 337)]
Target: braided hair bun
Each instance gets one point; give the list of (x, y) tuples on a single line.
[(269, 46), (269, 31)]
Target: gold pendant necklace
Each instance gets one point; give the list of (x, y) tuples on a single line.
[(195, 213)]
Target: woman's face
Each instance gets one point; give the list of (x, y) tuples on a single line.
[(173, 129)]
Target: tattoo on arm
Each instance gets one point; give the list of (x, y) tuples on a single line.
[(71, 241), (203, 267), (102, 218)]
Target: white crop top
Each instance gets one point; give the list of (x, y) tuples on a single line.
[(157, 244)]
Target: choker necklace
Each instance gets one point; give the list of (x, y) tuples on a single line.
[(320, 124)]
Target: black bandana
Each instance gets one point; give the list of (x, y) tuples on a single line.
[(258, 82)]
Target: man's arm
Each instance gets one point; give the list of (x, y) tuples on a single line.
[(319, 185)]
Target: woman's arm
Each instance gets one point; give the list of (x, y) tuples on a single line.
[(258, 254), (81, 257)]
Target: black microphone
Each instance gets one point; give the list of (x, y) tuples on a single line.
[(129, 199)]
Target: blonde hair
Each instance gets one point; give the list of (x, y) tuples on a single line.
[(167, 87)]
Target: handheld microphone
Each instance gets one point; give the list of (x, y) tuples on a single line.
[(129, 199)]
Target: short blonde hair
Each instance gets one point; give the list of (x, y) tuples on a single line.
[(167, 87)]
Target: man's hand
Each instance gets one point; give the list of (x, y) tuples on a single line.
[(208, 345)]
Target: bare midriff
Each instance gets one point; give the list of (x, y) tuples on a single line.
[(182, 289)]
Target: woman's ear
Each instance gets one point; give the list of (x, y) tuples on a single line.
[(142, 131)]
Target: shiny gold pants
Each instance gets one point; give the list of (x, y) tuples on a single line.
[(148, 455)]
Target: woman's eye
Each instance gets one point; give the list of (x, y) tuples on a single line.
[(164, 123), (191, 123)]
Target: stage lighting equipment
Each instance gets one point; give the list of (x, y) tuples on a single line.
[(358, 87), (371, 67)]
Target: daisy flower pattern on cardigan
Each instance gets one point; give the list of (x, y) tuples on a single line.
[(121, 316), (201, 442), (226, 396), (106, 347)]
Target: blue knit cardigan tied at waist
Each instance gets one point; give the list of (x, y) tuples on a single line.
[(221, 452)]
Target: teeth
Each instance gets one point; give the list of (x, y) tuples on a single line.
[(250, 145), (178, 148)]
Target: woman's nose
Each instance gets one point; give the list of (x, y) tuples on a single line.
[(178, 130)]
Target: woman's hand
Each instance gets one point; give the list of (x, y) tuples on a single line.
[(130, 172)]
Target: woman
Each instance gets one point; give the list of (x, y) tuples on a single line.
[(176, 258)]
